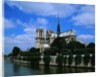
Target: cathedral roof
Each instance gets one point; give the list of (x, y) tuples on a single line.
[(67, 33), (53, 35), (64, 34)]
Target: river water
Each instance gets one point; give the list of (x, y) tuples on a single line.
[(12, 69)]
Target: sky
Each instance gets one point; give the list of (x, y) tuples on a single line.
[(21, 19)]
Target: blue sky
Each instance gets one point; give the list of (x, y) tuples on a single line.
[(21, 19)]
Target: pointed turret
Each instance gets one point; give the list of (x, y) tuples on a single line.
[(58, 27)]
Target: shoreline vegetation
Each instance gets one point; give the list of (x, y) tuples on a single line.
[(59, 54)]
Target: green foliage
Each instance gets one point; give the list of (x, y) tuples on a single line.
[(93, 60), (46, 60), (91, 45), (46, 57), (78, 51), (60, 60), (78, 59), (59, 43), (65, 60), (15, 51), (65, 51), (34, 56), (70, 59), (86, 59), (75, 45), (10, 54), (53, 51), (47, 51)]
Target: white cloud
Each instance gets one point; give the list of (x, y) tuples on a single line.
[(44, 9), (23, 41), (42, 21), (29, 30), (88, 9), (86, 36), (8, 23), (81, 15), (85, 17), (38, 23), (20, 23), (27, 38)]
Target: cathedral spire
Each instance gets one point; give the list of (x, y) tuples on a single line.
[(58, 27)]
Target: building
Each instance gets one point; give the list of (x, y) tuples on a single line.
[(43, 42)]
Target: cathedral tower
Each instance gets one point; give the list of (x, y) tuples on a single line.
[(39, 39), (48, 36)]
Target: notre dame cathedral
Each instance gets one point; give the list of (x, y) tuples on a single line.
[(43, 41)]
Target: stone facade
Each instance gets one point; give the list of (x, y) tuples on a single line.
[(40, 39), (44, 41), (81, 64)]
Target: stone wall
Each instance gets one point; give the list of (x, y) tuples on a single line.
[(53, 61)]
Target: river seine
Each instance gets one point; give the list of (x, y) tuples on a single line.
[(12, 69)]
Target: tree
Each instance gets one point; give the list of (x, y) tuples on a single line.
[(15, 51), (86, 59), (65, 51), (46, 57), (78, 59), (59, 43), (91, 45), (46, 60), (60, 60), (65, 60), (34, 56), (32, 50), (75, 45), (93, 60), (91, 48), (70, 59), (53, 51), (10, 54)]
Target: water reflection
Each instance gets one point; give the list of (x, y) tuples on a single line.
[(12, 69), (47, 70), (16, 69), (59, 70)]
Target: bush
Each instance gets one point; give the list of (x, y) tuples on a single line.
[(46, 60), (93, 60), (70, 59), (46, 57), (60, 60), (78, 59), (75, 45), (34, 56), (65, 60), (86, 59), (91, 45)]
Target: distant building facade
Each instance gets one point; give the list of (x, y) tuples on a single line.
[(44, 41)]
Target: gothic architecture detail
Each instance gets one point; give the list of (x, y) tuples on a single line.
[(40, 39), (58, 28), (43, 42)]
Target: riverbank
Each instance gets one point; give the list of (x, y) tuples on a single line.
[(53, 62), (20, 69)]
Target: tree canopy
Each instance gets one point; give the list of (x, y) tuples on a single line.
[(91, 45), (75, 45), (59, 43), (15, 51)]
